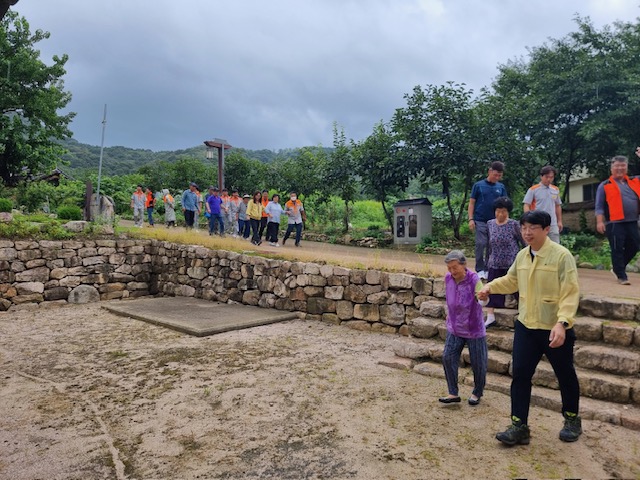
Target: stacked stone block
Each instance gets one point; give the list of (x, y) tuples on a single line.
[(33, 272)]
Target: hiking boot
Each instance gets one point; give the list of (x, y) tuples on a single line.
[(572, 427), (516, 433)]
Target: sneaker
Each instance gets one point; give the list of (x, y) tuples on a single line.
[(623, 281), (277, 245), (572, 427), (483, 275), (491, 320), (272, 244), (516, 433)]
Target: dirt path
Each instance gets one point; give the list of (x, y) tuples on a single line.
[(88, 395), (592, 282)]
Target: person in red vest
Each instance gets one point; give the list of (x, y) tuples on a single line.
[(149, 203), (617, 200)]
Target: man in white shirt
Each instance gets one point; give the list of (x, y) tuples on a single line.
[(546, 197)]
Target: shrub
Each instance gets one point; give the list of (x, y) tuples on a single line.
[(578, 241), (5, 205), (70, 212)]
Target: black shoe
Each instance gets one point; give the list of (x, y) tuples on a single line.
[(516, 433), (297, 244), (572, 428), (449, 400), (474, 402), (284, 240)]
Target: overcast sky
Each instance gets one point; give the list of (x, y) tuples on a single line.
[(277, 74)]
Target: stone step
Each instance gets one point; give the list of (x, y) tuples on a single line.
[(609, 308), (590, 409), (603, 372), (588, 329)]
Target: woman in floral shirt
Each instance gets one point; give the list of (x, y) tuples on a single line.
[(505, 241)]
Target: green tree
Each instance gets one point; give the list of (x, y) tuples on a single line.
[(440, 135), (579, 97), (31, 94), (177, 176), (382, 172), (300, 172), (339, 177), (244, 173)]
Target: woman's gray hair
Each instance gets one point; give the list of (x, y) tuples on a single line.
[(457, 255)]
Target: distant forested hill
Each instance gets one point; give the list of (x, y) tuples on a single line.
[(82, 158)]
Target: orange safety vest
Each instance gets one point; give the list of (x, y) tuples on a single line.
[(264, 205), (150, 200), (613, 197)]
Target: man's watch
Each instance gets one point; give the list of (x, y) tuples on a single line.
[(564, 323)]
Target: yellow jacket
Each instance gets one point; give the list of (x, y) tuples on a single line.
[(254, 210), (548, 286)]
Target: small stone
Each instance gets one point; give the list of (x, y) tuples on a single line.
[(84, 294)]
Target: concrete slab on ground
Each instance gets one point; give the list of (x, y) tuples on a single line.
[(195, 316)]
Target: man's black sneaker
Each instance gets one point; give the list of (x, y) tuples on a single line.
[(284, 240), (572, 428), (516, 433)]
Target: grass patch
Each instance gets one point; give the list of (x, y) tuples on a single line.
[(191, 237)]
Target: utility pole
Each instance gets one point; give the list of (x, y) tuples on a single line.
[(104, 127)]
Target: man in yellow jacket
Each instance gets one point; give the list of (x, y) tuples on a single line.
[(545, 275)]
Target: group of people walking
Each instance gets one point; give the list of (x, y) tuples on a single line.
[(525, 257), (514, 257), (249, 217)]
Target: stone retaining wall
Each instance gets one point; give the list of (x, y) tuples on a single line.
[(363, 299), (39, 272), (32, 272)]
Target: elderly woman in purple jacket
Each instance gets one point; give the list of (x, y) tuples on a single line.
[(465, 326)]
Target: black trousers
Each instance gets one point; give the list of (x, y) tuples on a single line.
[(189, 218), (624, 240), (272, 232), (255, 226), (263, 225), (528, 347)]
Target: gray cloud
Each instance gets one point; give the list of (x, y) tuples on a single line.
[(277, 74)]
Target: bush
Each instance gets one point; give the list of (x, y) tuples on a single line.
[(5, 205), (578, 241), (70, 212)]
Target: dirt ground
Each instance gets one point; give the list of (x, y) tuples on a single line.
[(89, 395)]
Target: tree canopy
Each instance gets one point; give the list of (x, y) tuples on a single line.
[(31, 96)]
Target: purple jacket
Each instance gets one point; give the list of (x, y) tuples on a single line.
[(464, 317)]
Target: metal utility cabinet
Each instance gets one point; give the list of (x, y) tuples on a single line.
[(412, 220)]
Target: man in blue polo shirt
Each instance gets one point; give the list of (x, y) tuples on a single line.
[(190, 206), (481, 210)]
